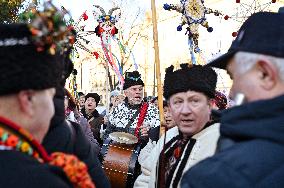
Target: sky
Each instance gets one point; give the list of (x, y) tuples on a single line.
[(77, 7), (211, 44)]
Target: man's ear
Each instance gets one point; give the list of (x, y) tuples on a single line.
[(211, 103), (169, 108), (25, 99), (267, 74), (125, 92)]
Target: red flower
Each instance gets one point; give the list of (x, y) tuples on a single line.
[(1, 132), (12, 141), (96, 54), (75, 170), (114, 31), (177, 152), (226, 17), (234, 34), (85, 16)]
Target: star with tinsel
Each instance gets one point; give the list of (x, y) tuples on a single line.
[(193, 14)]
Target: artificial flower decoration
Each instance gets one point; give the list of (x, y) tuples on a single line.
[(50, 31), (76, 170)]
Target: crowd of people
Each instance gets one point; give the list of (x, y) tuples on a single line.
[(50, 138)]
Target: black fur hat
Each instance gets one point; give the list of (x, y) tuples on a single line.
[(22, 65), (195, 77), (93, 95), (132, 79)]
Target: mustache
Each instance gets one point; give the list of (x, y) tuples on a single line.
[(134, 101)]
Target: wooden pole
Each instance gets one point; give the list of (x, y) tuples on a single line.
[(107, 88), (157, 64)]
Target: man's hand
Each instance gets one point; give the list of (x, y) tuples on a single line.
[(105, 119), (144, 130)]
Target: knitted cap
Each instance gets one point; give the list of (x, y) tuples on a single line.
[(132, 79)]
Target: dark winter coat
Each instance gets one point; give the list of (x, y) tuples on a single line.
[(251, 149), (61, 138), (95, 120), (83, 122), (19, 170)]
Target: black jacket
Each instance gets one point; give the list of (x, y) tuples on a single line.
[(19, 170), (95, 120), (60, 138), (251, 149)]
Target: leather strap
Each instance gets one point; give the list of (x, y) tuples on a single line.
[(132, 119)]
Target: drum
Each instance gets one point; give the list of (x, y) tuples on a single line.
[(120, 159)]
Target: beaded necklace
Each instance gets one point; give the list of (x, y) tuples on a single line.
[(16, 138)]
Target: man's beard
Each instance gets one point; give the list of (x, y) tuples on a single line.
[(134, 101)]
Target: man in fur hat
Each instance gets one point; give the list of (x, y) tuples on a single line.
[(133, 115), (28, 77), (189, 92), (251, 147), (30, 71)]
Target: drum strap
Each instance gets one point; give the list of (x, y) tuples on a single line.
[(143, 112), (132, 120)]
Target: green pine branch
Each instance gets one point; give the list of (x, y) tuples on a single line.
[(10, 9)]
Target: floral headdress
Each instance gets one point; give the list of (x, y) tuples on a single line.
[(49, 29)]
